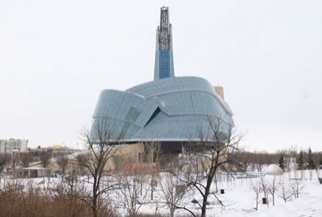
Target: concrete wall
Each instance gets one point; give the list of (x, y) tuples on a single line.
[(220, 91), (124, 154)]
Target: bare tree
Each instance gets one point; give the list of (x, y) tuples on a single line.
[(26, 158), (45, 158), (244, 160), (153, 151), (102, 144), (71, 192), (174, 192), (316, 156), (297, 186), (257, 189), (259, 161), (211, 154), (4, 159), (273, 188), (286, 193), (265, 188), (62, 161), (130, 195)]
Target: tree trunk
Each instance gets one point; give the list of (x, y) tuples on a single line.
[(94, 199), (172, 209), (204, 206), (257, 202), (273, 195), (95, 206), (205, 198)]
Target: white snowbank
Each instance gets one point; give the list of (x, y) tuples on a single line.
[(273, 169)]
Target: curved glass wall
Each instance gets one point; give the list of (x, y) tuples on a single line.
[(173, 109)]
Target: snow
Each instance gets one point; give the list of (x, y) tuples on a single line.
[(273, 169), (238, 198)]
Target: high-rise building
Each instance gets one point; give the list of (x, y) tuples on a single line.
[(13, 145), (163, 65)]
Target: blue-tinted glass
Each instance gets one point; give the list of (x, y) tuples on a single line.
[(184, 104), (164, 64)]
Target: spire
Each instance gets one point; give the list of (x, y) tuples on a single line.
[(163, 65)]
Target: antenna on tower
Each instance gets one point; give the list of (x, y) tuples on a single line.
[(163, 65)]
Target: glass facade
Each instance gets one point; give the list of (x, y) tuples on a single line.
[(164, 64), (173, 109)]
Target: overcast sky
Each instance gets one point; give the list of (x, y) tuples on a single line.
[(56, 57)]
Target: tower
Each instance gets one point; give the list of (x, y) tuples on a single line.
[(163, 65)]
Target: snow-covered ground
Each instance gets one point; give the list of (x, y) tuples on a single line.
[(239, 198), (240, 201)]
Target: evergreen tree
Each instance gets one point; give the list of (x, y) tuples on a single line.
[(281, 162), (300, 160), (310, 162)]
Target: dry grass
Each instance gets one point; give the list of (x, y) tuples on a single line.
[(30, 201)]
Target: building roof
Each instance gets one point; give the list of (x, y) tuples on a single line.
[(171, 109)]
